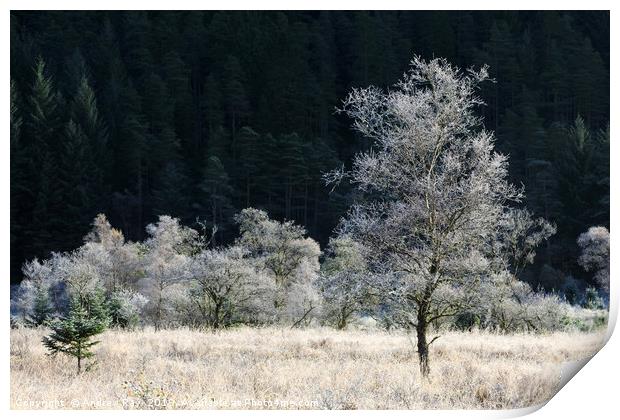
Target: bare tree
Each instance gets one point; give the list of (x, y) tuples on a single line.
[(444, 190)]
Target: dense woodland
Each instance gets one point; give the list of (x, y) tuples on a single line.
[(198, 115)]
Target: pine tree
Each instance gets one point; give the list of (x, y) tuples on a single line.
[(72, 335), (216, 191), (293, 170), (577, 178), (85, 113), (42, 206), (18, 182), (177, 79), (600, 214), (131, 161), (135, 27), (212, 108), (43, 106), (77, 183), (168, 194), (248, 161), (235, 98), (74, 70)]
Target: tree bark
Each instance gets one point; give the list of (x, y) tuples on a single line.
[(421, 330)]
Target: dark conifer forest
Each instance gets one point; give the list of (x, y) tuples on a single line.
[(201, 114)]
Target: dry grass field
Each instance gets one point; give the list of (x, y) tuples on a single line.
[(282, 368)]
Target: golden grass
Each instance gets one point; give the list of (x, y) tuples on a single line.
[(283, 368)]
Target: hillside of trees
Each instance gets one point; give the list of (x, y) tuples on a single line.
[(198, 115)]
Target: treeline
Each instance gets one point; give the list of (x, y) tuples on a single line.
[(269, 275), (200, 114)]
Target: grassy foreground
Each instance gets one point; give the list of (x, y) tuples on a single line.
[(282, 368)]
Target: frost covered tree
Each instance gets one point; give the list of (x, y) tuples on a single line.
[(79, 273), (165, 259), (286, 254), (225, 287), (117, 261), (443, 190), (594, 256), (302, 300), (518, 236), (33, 301), (118, 267), (105, 269), (343, 281), (41, 308)]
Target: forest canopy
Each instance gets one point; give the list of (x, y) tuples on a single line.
[(201, 114)]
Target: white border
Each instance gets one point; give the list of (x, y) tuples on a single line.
[(592, 394)]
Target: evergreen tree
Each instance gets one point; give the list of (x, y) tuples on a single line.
[(136, 42), (131, 161), (85, 113), (248, 161), (74, 70), (293, 171), (601, 155), (42, 206), (577, 177), (212, 105), (72, 335), (234, 94), (215, 203), (77, 183), (18, 182), (177, 79), (168, 194)]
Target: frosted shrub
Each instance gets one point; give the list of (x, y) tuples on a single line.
[(583, 319), (545, 312), (125, 307), (505, 304)]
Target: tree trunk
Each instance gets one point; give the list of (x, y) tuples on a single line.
[(158, 309), (421, 329), (79, 360), (216, 316), (342, 322)]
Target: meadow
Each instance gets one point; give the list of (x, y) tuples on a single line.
[(282, 368)]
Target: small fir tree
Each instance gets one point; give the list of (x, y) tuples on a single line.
[(72, 335)]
